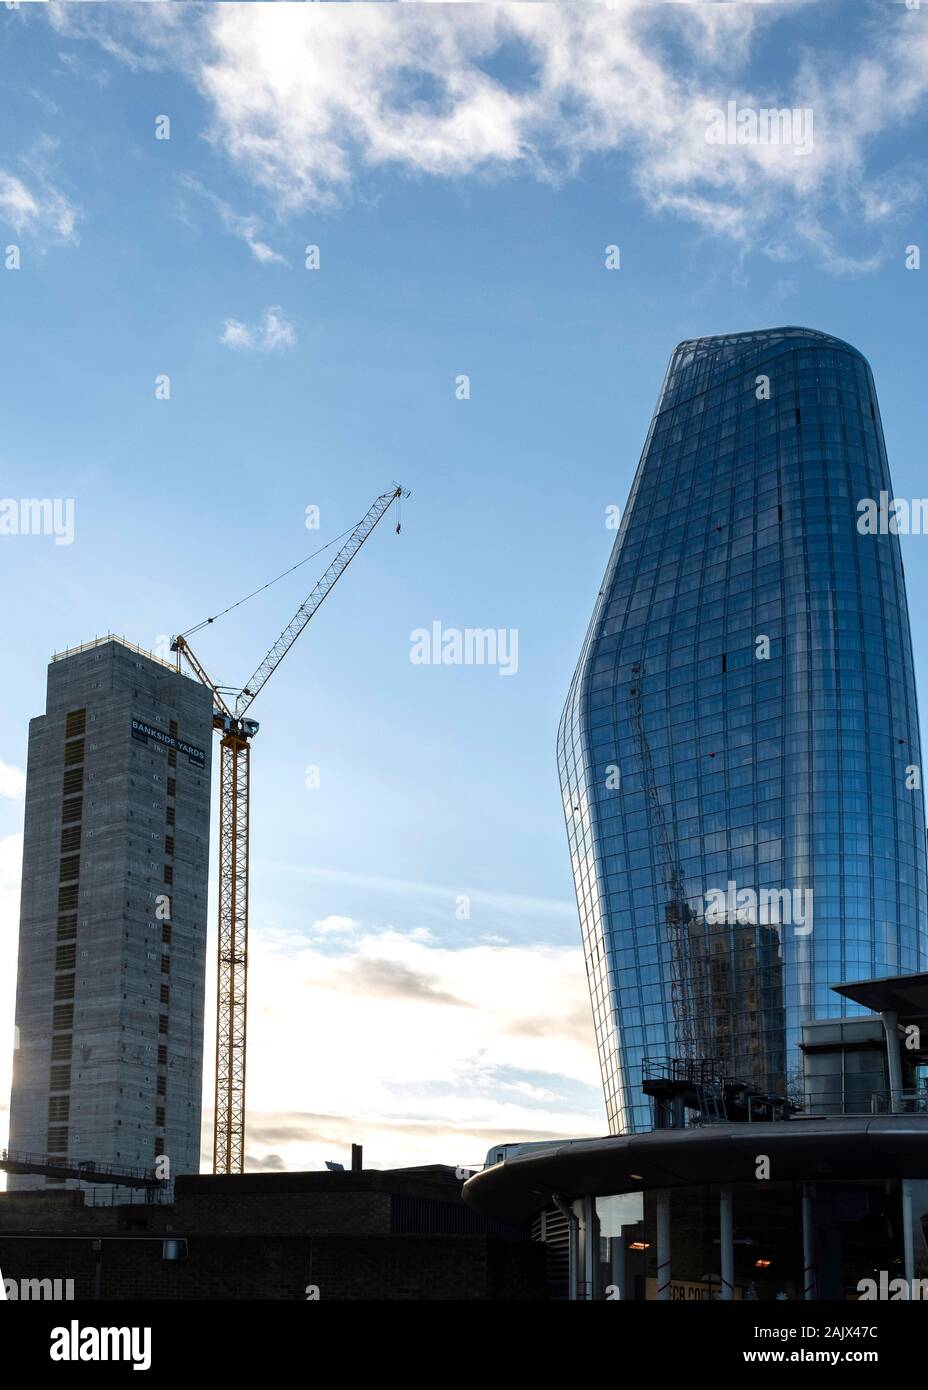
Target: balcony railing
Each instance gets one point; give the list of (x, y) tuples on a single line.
[(806, 1104), (82, 1169)]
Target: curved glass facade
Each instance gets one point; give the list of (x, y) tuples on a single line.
[(736, 752)]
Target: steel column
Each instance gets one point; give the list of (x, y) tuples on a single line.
[(617, 1265), (232, 962), (808, 1242), (566, 1209), (908, 1235), (727, 1242), (663, 1245), (890, 1020)]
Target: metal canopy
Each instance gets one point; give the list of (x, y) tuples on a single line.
[(847, 1147), (906, 995)]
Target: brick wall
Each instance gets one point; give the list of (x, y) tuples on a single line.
[(428, 1268)]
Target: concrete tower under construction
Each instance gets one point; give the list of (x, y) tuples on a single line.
[(112, 938)]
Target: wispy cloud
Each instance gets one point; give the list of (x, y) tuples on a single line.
[(245, 227), (517, 906), (35, 206), (392, 979), (274, 333), (333, 924), (12, 780)]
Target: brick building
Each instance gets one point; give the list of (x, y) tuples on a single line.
[(402, 1234)]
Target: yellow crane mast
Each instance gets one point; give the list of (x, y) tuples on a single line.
[(236, 733)]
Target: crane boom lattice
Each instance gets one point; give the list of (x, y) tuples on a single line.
[(311, 605), (677, 913)]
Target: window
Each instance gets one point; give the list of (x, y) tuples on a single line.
[(71, 838), (70, 867), (67, 898), (162, 1023), (59, 1107), (74, 780), (67, 927), (74, 752), (169, 873), (172, 758), (170, 814), (61, 1050), (64, 986), (72, 811), (169, 844), (65, 957), (162, 1055), (165, 998), (61, 1078), (165, 965), (58, 1140), (159, 1116), (166, 933), (162, 1085), (63, 1017), (75, 723)]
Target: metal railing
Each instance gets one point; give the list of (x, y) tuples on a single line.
[(799, 1105), (113, 637), (80, 1169), (811, 1103), (914, 1102)]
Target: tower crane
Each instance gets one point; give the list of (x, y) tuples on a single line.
[(236, 732)]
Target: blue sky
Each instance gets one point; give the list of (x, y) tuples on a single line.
[(462, 170)]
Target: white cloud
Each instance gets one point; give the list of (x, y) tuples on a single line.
[(305, 99), (139, 42), (273, 333), (424, 1054), (261, 251), (12, 780), (236, 334), (324, 926), (40, 207), (278, 333), (245, 227)]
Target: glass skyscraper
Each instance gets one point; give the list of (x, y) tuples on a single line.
[(739, 751)]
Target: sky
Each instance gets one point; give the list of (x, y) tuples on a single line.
[(463, 329)]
